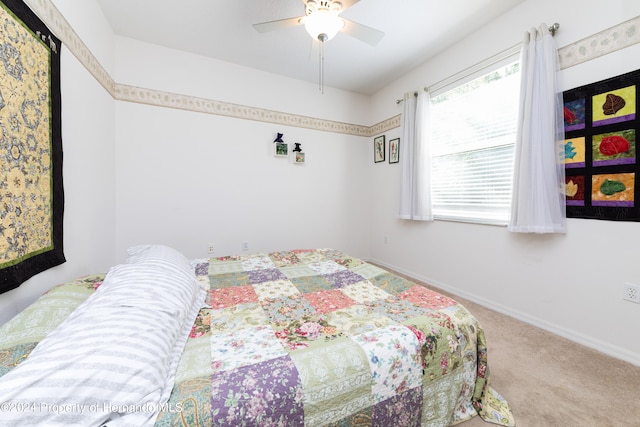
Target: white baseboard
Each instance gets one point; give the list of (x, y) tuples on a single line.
[(579, 338)]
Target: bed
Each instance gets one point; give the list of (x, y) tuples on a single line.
[(302, 337)]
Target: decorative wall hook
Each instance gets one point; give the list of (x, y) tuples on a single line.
[(280, 149)]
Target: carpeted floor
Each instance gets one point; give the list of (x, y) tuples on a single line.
[(550, 381)]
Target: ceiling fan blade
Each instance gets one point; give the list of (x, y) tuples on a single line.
[(264, 27), (346, 4), (362, 32)]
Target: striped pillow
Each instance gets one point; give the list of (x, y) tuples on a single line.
[(112, 362)]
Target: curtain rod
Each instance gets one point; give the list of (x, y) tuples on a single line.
[(475, 67)]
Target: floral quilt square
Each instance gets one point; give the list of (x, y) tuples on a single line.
[(329, 300), (285, 258), (347, 261), (202, 324), (257, 262), (226, 280), (424, 297), (364, 292), (326, 267), (403, 410), (391, 283), (368, 271), (244, 347), (287, 308), (204, 283), (300, 270), (224, 259), (337, 372), (397, 309), (343, 278), (224, 267), (357, 319), (265, 275), (307, 332), (236, 317), (226, 297), (275, 289), (311, 284), (264, 394), (201, 268), (310, 255), (394, 358), (359, 418)]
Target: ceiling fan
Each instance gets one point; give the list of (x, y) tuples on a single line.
[(322, 22)]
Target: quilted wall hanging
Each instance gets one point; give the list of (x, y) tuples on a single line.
[(601, 159), (31, 191)]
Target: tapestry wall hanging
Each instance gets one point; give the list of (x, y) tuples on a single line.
[(31, 191), (601, 159)]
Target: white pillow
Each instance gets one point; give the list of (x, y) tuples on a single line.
[(143, 253), (147, 268)]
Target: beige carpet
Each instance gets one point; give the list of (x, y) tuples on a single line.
[(550, 381)]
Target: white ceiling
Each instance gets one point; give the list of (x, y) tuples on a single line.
[(415, 30)]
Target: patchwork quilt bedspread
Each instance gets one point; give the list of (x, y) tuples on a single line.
[(307, 337)]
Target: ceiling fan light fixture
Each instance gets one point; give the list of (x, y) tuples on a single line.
[(323, 22)]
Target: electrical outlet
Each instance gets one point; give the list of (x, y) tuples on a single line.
[(212, 248), (245, 246), (631, 292)]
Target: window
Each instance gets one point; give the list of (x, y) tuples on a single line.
[(473, 132)]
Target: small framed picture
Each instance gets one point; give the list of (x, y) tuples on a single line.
[(298, 157), (394, 150), (281, 149), (378, 149)]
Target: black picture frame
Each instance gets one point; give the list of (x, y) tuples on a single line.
[(587, 124), (394, 150), (379, 149)]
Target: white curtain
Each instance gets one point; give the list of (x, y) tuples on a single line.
[(415, 192), (538, 200)]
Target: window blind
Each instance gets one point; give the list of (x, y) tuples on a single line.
[(473, 133)]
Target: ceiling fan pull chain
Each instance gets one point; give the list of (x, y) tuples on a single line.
[(321, 65)]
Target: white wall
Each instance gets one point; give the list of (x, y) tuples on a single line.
[(188, 179), (570, 284), (88, 169)]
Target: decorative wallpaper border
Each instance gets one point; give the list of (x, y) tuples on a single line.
[(602, 43), (202, 105), (57, 23), (594, 46)]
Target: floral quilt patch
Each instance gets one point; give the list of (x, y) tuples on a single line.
[(363, 292), (392, 349), (328, 301), (226, 297), (263, 394), (275, 289), (424, 297), (287, 308), (244, 347), (257, 263)]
